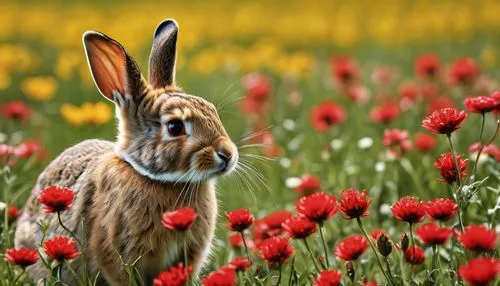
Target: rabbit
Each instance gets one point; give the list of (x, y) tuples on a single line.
[(170, 149)]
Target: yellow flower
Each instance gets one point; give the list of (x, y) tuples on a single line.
[(5, 79), (40, 88), (72, 114), (101, 114), (88, 113)]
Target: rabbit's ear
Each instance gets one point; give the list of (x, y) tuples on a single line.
[(163, 53), (113, 70)]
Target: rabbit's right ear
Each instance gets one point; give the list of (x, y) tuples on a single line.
[(163, 55), (113, 70)]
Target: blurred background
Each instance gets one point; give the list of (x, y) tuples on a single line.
[(45, 84)]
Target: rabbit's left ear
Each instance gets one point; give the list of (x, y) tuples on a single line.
[(163, 55)]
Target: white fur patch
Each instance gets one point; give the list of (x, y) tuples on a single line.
[(173, 177)]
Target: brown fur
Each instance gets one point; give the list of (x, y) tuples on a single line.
[(117, 210)]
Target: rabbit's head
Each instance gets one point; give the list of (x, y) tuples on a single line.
[(164, 133)]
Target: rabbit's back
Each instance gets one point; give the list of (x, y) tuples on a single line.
[(71, 169)]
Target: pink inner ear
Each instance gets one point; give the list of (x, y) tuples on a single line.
[(107, 63)]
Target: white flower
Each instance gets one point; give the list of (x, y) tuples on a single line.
[(285, 162), (325, 155), (293, 182), (336, 144), (351, 169), (294, 144), (365, 143), (289, 124), (2, 206), (385, 209), (380, 167)]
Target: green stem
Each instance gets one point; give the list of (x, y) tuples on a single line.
[(279, 277), (453, 153), (374, 250), (325, 248), (292, 269), (59, 270), (66, 229), (481, 146), (312, 255), (73, 273), (388, 268), (245, 245), (19, 276), (412, 247), (435, 257)]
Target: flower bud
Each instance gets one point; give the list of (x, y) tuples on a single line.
[(405, 241), (384, 245), (350, 270)]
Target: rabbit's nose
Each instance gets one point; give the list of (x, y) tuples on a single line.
[(225, 158)]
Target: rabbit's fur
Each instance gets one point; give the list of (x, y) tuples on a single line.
[(123, 188)]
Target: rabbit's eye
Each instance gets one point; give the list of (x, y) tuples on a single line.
[(176, 128)]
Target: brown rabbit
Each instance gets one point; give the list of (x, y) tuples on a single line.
[(171, 146)]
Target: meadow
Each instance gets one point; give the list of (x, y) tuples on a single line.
[(320, 98)]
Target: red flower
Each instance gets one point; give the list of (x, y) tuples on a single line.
[(441, 209), (493, 151), (22, 256), (383, 75), (239, 220), (431, 234), (385, 113), (174, 276), (446, 166), (251, 106), (13, 213), (328, 278), (257, 86), (350, 248), (56, 199), (409, 91), (424, 142), (317, 207), (29, 148), (6, 151), (16, 110), (275, 250), (415, 255), (308, 185), (480, 271), (179, 220), (444, 121), (397, 142), (299, 227), (409, 209), (463, 71), (496, 95), (326, 115), (427, 65), (222, 277), (344, 69), (357, 93), (270, 225), (61, 248), (240, 264), (480, 104), (478, 238), (353, 203)]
